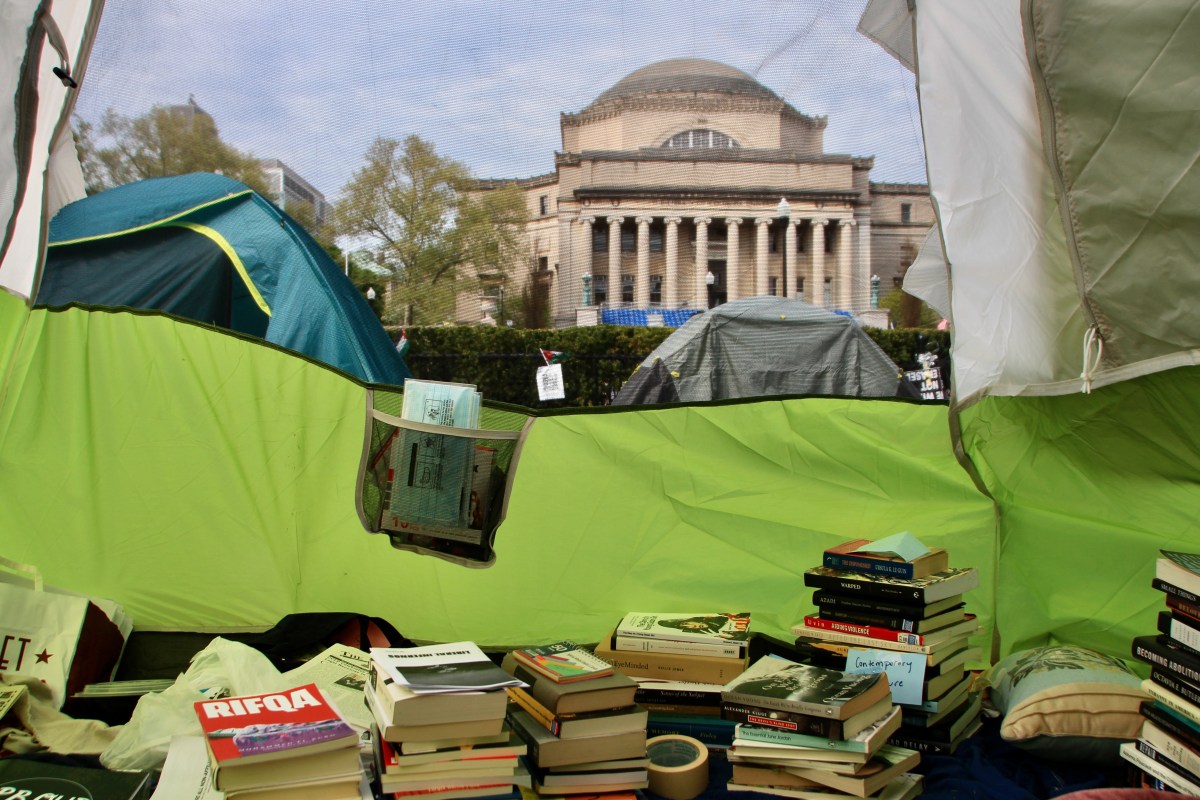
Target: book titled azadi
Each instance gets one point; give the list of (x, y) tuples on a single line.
[(453, 667), (777, 683)]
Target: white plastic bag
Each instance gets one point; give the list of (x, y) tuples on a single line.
[(223, 668)]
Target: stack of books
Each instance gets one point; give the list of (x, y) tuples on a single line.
[(439, 723), (681, 662), (869, 602), (584, 731), (289, 744), (1168, 750), (809, 731)]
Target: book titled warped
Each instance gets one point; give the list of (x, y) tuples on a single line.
[(929, 589), (774, 682)]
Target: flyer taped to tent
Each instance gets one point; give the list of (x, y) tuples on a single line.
[(430, 478)]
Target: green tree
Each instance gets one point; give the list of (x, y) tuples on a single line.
[(431, 225), (907, 311), (164, 141)]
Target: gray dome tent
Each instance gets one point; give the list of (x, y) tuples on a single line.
[(760, 346)]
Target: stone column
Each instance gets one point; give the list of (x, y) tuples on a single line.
[(641, 289), (817, 293), (845, 276), (671, 279), (733, 258), (613, 282), (583, 260), (762, 252), (862, 263), (700, 286), (790, 268)]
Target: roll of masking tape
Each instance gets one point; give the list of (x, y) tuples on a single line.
[(678, 766)]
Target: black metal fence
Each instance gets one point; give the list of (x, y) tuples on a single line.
[(587, 380)]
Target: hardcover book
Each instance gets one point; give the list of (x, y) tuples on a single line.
[(430, 729), (573, 726), (1175, 749), (562, 662), (808, 724), (889, 763), (867, 741), (453, 667), (1180, 628), (897, 623), (1175, 591), (778, 683), (931, 588), (547, 750), (1179, 569), (733, 628), (1130, 753), (598, 694), (671, 666), (824, 599), (846, 556), (1159, 650), (718, 648), (1175, 724), (30, 778)]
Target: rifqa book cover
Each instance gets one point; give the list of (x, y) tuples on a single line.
[(257, 727)]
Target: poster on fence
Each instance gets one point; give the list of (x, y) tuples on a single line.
[(550, 382)]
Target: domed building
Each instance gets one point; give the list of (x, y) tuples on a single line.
[(687, 184)]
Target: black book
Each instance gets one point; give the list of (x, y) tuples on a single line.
[(649, 693), (783, 720), (1173, 684), (1162, 651), (24, 777), (895, 623), (824, 599), (922, 591), (1148, 750), (1181, 628), (1172, 589), (1171, 723)]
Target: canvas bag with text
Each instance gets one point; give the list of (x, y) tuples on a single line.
[(63, 639)]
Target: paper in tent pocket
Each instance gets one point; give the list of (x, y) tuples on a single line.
[(433, 488)]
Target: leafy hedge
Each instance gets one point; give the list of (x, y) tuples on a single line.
[(502, 362)]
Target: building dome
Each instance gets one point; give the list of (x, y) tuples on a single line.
[(685, 75)]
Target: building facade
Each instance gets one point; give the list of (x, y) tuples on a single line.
[(287, 188), (688, 184)]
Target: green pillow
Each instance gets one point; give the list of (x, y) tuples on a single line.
[(1066, 703)]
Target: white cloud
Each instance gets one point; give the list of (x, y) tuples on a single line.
[(313, 84)]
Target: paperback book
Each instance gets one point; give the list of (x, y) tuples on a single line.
[(576, 697), (1179, 569), (897, 623), (929, 589), (30, 778), (889, 763), (718, 648), (773, 682), (729, 627), (671, 666), (867, 741), (856, 556), (827, 600), (453, 667), (562, 662), (816, 626), (254, 728), (808, 724)]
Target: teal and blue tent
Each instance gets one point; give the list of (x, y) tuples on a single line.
[(209, 248)]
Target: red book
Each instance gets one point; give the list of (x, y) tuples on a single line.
[(884, 635), (265, 727)]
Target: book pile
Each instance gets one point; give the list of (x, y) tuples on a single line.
[(577, 716), (287, 744), (808, 731), (681, 662), (439, 723), (878, 610), (1168, 750)]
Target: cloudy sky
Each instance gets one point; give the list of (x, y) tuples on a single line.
[(313, 82)]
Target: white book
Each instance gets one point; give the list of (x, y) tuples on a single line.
[(1130, 753), (1171, 747)]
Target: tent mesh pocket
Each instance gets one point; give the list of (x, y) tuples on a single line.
[(437, 490)]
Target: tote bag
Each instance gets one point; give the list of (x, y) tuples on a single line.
[(63, 639)]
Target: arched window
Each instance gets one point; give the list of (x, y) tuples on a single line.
[(700, 138)]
